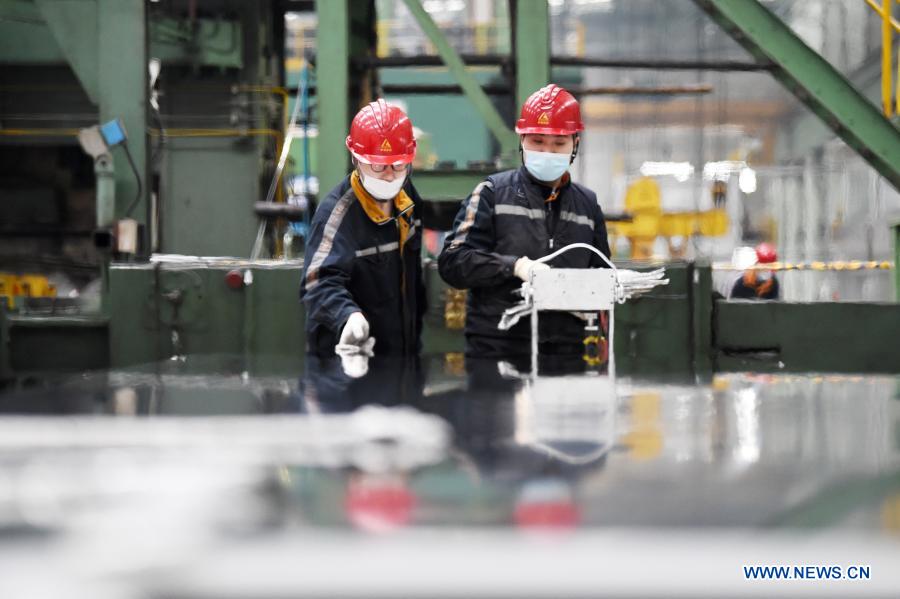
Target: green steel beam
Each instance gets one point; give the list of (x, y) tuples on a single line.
[(532, 48), (509, 142), (805, 132), (75, 26), (123, 84), (812, 80), (333, 58)]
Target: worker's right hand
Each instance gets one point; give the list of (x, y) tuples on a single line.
[(356, 330), (524, 267)]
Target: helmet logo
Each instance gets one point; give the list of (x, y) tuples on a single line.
[(543, 119), (386, 146)]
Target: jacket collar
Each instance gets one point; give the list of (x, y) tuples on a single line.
[(402, 203), (537, 192)]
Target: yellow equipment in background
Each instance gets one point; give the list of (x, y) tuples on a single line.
[(12, 286), (642, 201)]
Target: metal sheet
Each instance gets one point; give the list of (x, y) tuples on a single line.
[(524, 482)]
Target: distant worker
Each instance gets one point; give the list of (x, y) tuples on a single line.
[(362, 274), (517, 216), (758, 283)]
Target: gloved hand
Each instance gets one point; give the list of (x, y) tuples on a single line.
[(355, 358), (525, 265), (356, 330)]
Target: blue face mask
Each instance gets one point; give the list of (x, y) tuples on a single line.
[(546, 166)]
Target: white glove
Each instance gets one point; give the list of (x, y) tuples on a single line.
[(524, 267), (356, 330), (355, 358)]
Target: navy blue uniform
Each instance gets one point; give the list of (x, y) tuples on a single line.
[(505, 218), (352, 265)]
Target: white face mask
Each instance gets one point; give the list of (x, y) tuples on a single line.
[(546, 166), (381, 189)]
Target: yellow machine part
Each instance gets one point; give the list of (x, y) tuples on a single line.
[(643, 196), (454, 309), (28, 285), (644, 439), (711, 223), (643, 202)]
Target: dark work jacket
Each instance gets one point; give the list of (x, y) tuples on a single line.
[(504, 219), (753, 288), (353, 264)]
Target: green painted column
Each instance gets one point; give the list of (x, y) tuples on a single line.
[(122, 86), (332, 62), (532, 48)]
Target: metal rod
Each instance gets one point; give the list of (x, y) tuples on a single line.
[(441, 88), (470, 60), (279, 168), (642, 91), (575, 61), (500, 89), (656, 64), (887, 88), (535, 347), (894, 23), (610, 346)]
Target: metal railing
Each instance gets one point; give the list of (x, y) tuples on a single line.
[(890, 100)]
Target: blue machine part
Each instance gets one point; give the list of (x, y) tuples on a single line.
[(113, 132), (306, 181)]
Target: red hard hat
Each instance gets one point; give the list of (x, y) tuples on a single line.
[(379, 506), (382, 134), (765, 253), (550, 110)]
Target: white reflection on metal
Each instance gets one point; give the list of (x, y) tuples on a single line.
[(746, 412), (372, 438), (571, 418), (682, 171)]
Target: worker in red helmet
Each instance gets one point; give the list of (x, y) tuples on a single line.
[(517, 216), (362, 275), (756, 282)]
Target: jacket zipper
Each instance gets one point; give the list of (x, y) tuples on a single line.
[(404, 309)]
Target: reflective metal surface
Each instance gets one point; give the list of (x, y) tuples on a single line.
[(437, 477)]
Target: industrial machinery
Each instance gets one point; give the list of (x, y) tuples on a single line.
[(648, 221), (205, 90)]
